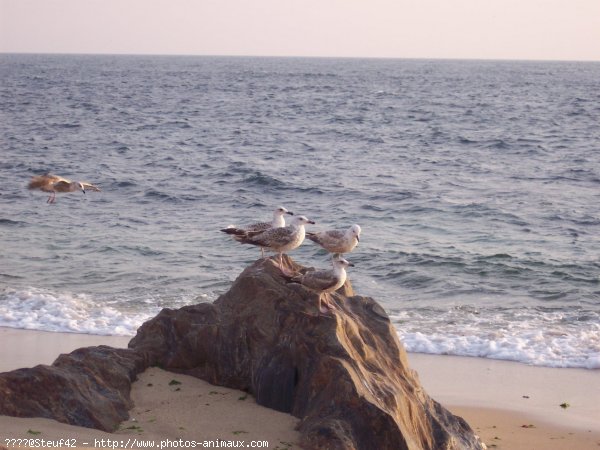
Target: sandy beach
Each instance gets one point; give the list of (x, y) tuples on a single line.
[(515, 406), (171, 407), (510, 405)]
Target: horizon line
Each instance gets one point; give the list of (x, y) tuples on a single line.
[(299, 56)]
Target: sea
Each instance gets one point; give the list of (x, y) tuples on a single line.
[(476, 185)]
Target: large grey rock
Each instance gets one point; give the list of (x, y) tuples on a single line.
[(344, 374)]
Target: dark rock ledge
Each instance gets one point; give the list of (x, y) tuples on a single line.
[(345, 374)]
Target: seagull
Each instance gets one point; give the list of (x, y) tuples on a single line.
[(324, 281), (54, 184), (337, 241), (280, 239), (277, 222)]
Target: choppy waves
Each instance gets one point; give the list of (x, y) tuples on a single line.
[(475, 184)]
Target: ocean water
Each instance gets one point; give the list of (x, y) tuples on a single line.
[(476, 184)]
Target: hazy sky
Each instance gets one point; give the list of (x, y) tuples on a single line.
[(490, 29)]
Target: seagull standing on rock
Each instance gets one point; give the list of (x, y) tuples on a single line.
[(337, 241), (324, 281), (277, 222), (54, 184), (280, 240)]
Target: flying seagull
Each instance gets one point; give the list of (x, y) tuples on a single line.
[(54, 184), (277, 222), (324, 281), (280, 240), (337, 241)]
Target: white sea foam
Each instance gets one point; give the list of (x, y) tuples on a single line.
[(35, 309), (545, 339)]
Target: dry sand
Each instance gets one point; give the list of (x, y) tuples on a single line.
[(175, 407), (167, 405), (27, 348), (508, 430), (515, 406), (511, 406)]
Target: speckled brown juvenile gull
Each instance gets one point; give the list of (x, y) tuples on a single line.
[(280, 240), (54, 184), (277, 222)]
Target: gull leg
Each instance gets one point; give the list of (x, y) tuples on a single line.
[(284, 271), (324, 305), (262, 252)]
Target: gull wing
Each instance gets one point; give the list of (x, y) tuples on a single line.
[(62, 186), (319, 280), (91, 187), (258, 226), (327, 238), (45, 182), (273, 237), (334, 241)]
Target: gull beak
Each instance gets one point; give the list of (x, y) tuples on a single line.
[(83, 190), (311, 222), (351, 264), (357, 239), (290, 213)]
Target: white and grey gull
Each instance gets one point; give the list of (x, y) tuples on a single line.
[(337, 242), (324, 281)]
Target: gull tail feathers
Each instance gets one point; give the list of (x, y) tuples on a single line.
[(235, 231), (294, 278), (313, 237)]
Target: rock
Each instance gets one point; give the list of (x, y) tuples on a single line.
[(88, 387), (344, 373)]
